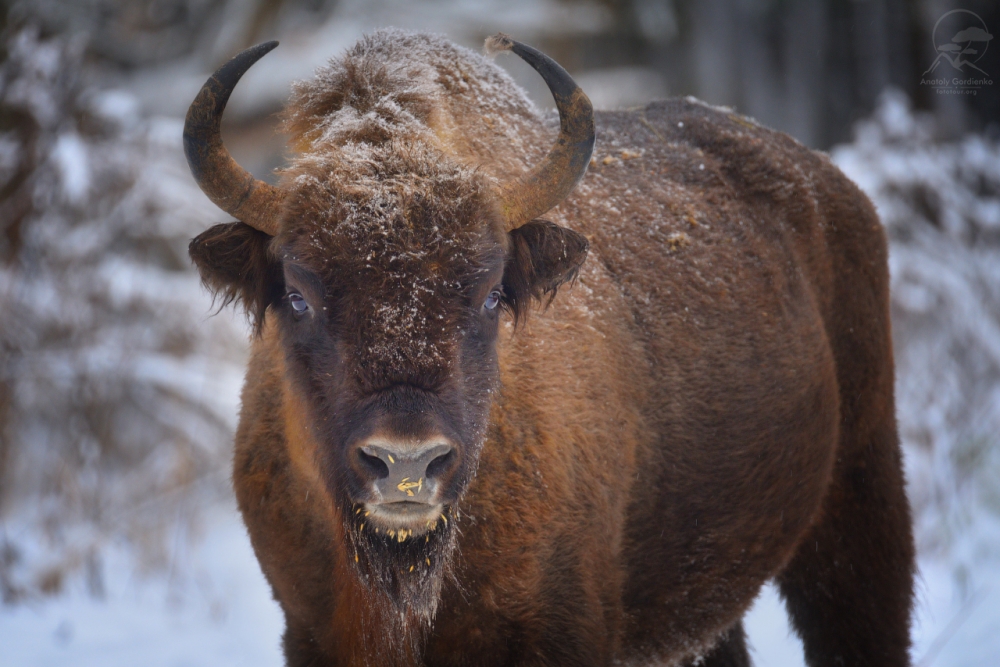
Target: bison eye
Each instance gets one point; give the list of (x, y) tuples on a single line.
[(299, 304), (492, 300)]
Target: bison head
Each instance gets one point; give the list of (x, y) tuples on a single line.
[(385, 265)]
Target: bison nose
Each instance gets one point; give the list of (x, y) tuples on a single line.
[(404, 472)]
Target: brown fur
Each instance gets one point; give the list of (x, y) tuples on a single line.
[(709, 406)]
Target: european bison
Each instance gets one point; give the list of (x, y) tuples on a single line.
[(433, 475)]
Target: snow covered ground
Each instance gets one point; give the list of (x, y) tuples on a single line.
[(217, 612)]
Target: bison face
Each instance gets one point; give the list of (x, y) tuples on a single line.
[(387, 285), (383, 264)]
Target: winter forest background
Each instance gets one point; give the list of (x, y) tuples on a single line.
[(119, 539)]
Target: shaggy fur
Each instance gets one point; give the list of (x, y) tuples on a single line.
[(708, 407)]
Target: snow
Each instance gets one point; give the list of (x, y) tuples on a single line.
[(218, 613), (772, 640), (621, 87), (118, 389), (70, 153)]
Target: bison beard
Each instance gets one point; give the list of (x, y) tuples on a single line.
[(407, 570), (430, 477)]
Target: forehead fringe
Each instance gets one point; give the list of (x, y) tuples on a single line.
[(402, 233), (395, 84), (390, 204)]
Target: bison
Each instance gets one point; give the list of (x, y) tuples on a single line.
[(444, 459)]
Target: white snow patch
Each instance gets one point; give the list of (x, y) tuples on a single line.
[(219, 613), (70, 154)]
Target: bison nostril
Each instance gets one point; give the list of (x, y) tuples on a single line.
[(440, 465), (373, 464), (407, 471)]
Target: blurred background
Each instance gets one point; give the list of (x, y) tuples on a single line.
[(119, 539)]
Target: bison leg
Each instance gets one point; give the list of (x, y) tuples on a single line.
[(849, 587), (731, 651)]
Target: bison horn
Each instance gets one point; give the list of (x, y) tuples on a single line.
[(551, 181), (230, 186)]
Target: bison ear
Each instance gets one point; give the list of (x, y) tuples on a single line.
[(542, 257), (235, 264)]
